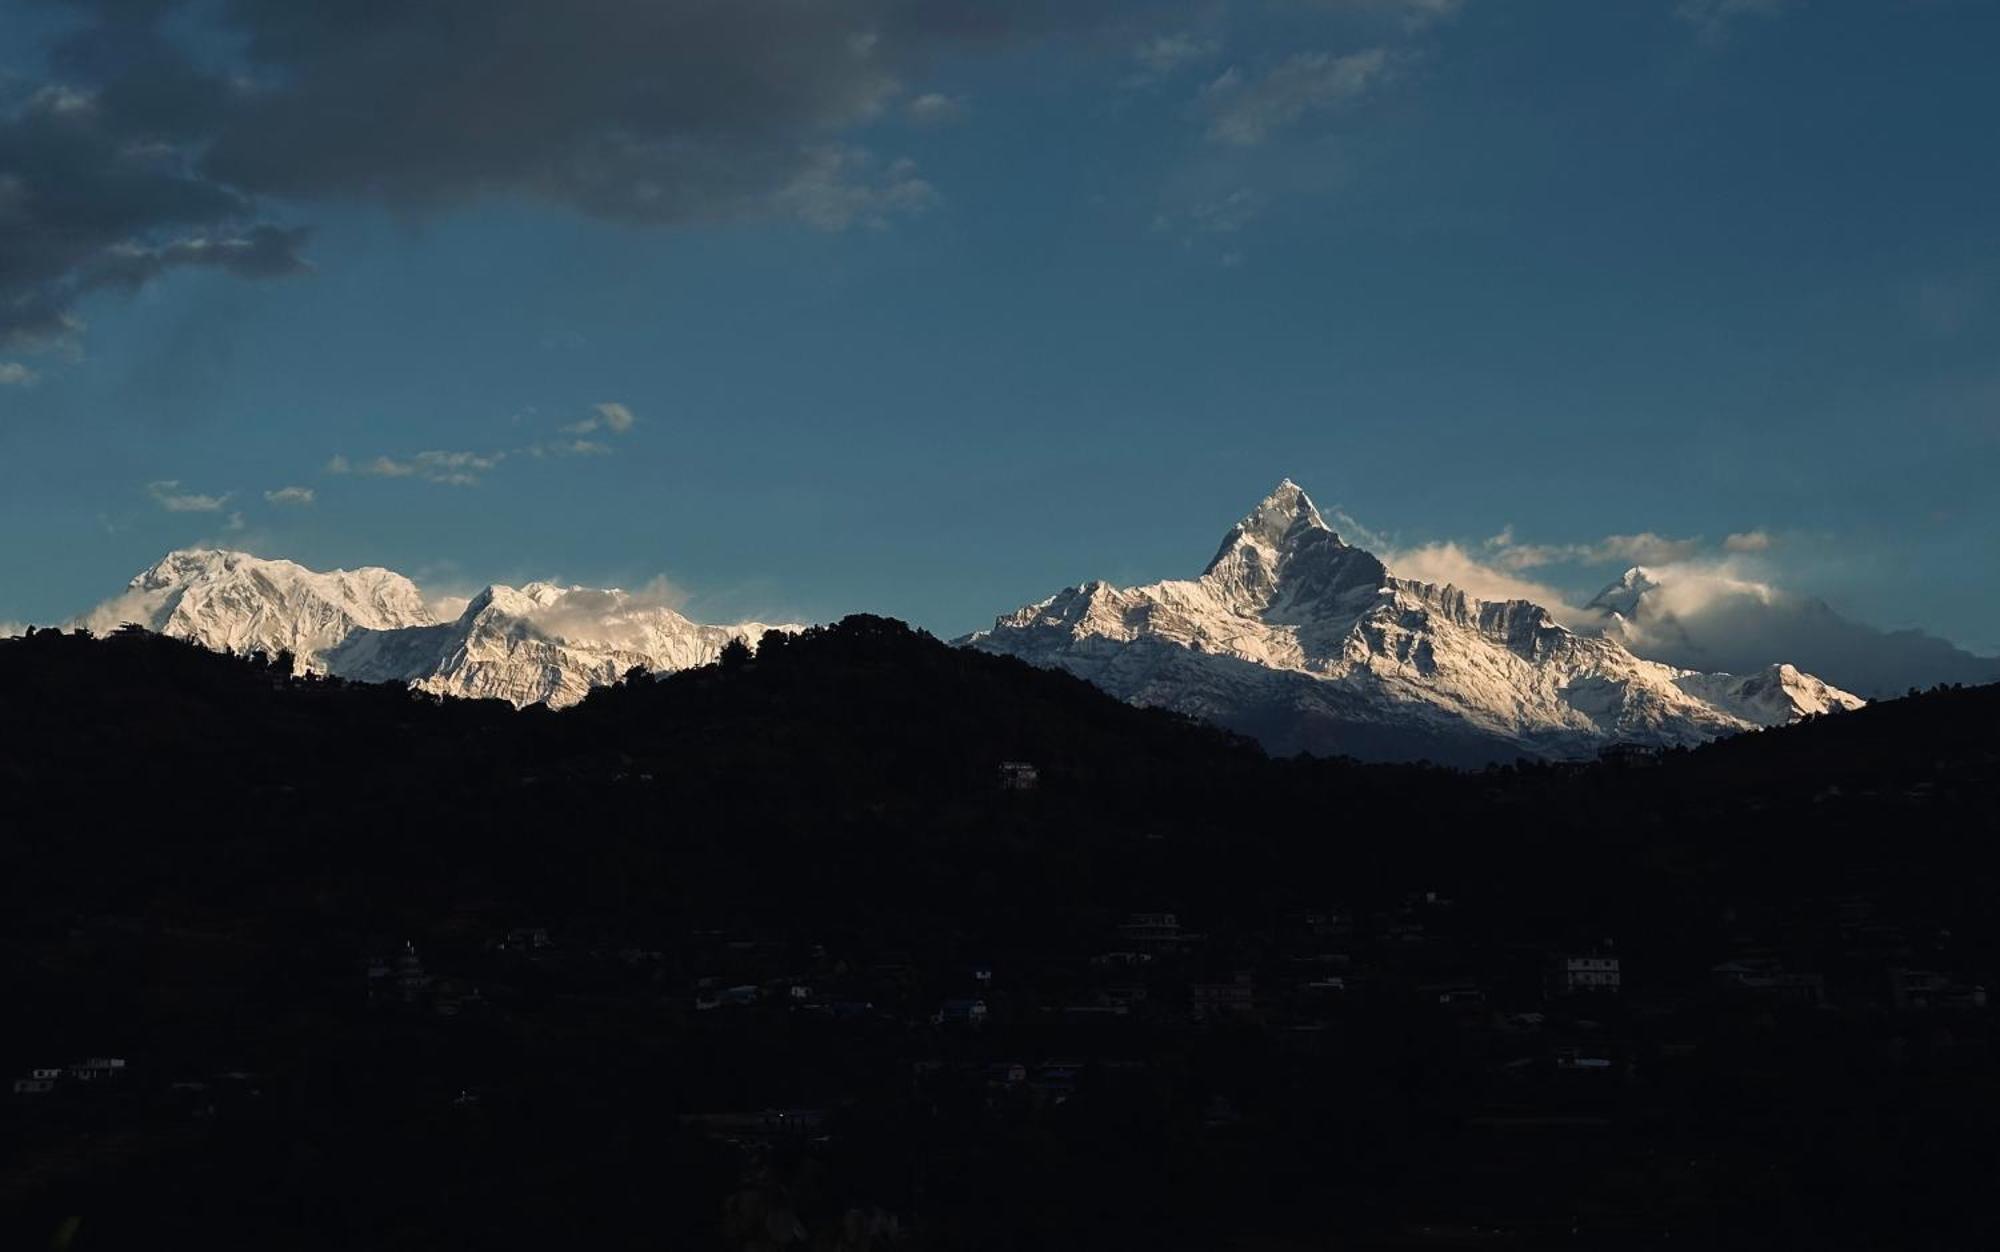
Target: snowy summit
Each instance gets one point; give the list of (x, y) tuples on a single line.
[(1311, 644), (538, 644)]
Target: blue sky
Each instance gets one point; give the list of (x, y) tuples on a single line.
[(990, 307)]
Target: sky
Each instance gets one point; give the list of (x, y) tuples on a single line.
[(932, 307)]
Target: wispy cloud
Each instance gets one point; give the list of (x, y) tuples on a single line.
[(1644, 548), (298, 496), (1227, 214), (467, 468), (167, 493), (456, 469), (564, 447), (610, 416), (1502, 567), (15, 374), (1713, 19), (1448, 563), (843, 186), (1245, 110), (1164, 55), (1413, 14), (1212, 220)]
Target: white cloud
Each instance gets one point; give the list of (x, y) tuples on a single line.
[(235, 522), (167, 493), (15, 374), (1748, 541), (291, 495), (1448, 563), (934, 109), (1244, 112), (456, 469), (617, 418)]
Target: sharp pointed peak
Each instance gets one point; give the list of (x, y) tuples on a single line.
[(1284, 524), (1282, 513)]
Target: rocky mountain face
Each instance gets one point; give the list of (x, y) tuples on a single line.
[(539, 644), (1311, 644)]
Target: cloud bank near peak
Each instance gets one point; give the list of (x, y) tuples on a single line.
[(1693, 604)]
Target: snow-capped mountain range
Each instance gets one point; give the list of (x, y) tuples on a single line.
[(538, 644), (1290, 635), (1309, 643)]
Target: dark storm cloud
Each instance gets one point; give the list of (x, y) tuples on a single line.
[(72, 190), (142, 152)]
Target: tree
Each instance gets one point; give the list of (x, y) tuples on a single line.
[(735, 654)]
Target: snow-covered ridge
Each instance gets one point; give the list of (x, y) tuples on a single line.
[(1309, 643), (1290, 634), (540, 643)]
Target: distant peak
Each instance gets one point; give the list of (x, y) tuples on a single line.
[(1623, 596)]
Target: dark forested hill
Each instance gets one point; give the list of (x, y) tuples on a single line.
[(386, 971)]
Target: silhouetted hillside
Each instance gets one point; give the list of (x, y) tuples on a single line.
[(393, 972)]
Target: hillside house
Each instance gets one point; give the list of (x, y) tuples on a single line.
[(1590, 973)]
